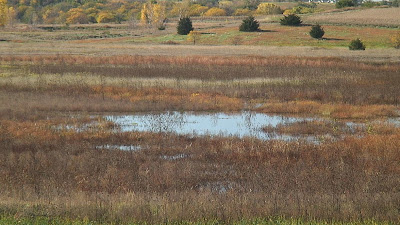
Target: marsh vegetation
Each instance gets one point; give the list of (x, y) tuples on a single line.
[(62, 157), (111, 123)]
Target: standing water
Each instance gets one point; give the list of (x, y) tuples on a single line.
[(245, 124)]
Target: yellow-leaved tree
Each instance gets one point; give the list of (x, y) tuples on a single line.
[(11, 16), (76, 15), (3, 13), (395, 38), (153, 15), (194, 36), (268, 9), (215, 12), (144, 15), (182, 9)]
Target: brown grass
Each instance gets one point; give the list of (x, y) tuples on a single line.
[(224, 178), (374, 16), (48, 168), (323, 86), (338, 111), (333, 128), (334, 62)]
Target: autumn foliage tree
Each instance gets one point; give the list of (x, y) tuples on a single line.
[(194, 36), (3, 13), (153, 15), (215, 12), (396, 40), (268, 9), (76, 15), (11, 16)]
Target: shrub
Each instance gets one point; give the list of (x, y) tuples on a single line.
[(345, 3), (356, 45), (291, 20), (242, 12), (197, 10), (317, 31), (184, 26), (194, 36), (268, 8), (396, 40), (394, 3), (105, 17), (299, 10), (370, 4), (228, 6), (76, 15), (249, 24), (215, 12)]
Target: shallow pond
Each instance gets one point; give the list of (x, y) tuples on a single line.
[(244, 124)]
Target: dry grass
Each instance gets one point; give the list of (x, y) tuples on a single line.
[(333, 128), (48, 169), (112, 49), (338, 111), (335, 62), (62, 173), (365, 17), (321, 86)]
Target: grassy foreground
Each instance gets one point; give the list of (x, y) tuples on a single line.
[(9, 220)]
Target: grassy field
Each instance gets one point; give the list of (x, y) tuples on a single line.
[(341, 28), (56, 89), (384, 17)]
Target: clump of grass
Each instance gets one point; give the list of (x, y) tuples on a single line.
[(339, 111), (333, 128)]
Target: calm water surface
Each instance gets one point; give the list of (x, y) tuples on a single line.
[(245, 124)]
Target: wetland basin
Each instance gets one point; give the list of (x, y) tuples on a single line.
[(243, 124), (249, 124)]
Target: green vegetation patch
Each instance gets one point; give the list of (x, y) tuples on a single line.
[(8, 220)]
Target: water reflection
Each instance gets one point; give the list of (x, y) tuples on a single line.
[(120, 147), (245, 124)]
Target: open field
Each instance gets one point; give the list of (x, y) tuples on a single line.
[(113, 47), (90, 39), (71, 151), (385, 17)]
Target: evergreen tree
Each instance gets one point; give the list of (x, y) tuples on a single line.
[(184, 26), (291, 20), (249, 24), (356, 45), (317, 31)]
